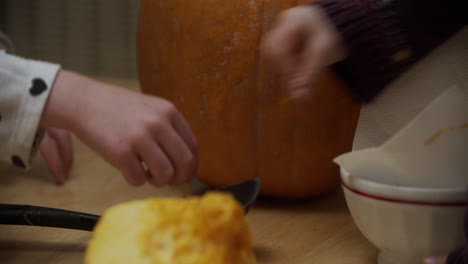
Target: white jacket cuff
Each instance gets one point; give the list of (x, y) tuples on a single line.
[(24, 89)]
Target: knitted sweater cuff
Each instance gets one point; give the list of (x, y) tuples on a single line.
[(378, 47)]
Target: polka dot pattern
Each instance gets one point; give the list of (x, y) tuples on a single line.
[(38, 87), (17, 161)]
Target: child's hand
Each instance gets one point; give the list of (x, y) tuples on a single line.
[(143, 136), (302, 42), (57, 150)]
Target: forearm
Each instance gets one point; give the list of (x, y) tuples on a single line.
[(65, 103), (74, 99)]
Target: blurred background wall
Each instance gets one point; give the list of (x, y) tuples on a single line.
[(94, 37)]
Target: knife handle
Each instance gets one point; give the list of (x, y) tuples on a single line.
[(15, 214)]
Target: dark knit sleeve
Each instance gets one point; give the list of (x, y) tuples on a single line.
[(385, 37)]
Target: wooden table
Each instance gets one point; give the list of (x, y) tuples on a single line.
[(316, 231)]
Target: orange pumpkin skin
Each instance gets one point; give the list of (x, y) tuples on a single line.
[(204, 57)]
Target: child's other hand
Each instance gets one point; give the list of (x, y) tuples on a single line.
[(57, 150), (302, 42), (144, 136)]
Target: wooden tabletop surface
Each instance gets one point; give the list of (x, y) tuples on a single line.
[(316, 231)]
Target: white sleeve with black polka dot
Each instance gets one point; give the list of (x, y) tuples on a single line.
[(24, 89)]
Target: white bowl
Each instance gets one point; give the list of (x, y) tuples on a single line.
[(404, 230)]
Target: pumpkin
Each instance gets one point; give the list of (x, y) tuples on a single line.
[(204, 57)]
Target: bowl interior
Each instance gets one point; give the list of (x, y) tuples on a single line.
[(403, 170), (394, 186)]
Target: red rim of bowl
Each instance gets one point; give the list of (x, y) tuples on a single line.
[(402, 201)]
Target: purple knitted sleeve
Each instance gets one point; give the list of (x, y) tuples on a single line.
[(385, 37)]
